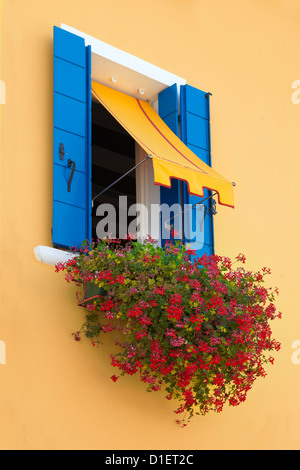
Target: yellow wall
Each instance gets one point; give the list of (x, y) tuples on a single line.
[(56, 393)]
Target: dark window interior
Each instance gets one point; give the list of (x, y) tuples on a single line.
[(113, 154)]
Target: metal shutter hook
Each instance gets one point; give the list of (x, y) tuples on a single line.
[(71, 164)]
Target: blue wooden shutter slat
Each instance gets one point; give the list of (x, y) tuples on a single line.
[(69, 79), (72, 217), (69, 115), (69, 47), (72, 107), (168, 111), (195, 133), (195, 101)]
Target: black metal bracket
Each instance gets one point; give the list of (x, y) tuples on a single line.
[(71, 164), (119, 179), (61, 151), (213, 207)]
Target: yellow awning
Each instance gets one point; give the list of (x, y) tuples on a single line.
[(170, 156)]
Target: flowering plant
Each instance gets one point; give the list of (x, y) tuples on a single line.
[(199, 329)]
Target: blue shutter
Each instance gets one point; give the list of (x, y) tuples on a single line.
[(168, 111), (195, 133), (71, 222)]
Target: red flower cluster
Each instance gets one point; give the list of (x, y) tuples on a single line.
[(199, 329)]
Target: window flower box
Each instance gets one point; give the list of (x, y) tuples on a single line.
[(92, 292)]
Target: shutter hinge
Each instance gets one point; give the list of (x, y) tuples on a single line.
[(213, 206)]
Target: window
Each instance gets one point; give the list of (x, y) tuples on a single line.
[(82, 128), (113, 155)]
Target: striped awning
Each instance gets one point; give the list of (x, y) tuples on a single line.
[(170, 156)]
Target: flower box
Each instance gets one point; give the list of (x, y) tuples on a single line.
[(92, 291)]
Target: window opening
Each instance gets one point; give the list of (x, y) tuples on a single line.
[(113, 154)]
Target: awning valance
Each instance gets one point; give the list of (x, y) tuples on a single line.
[(170, 156)]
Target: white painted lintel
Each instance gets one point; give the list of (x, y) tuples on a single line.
[(129, 67)]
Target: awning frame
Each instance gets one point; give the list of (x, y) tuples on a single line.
[(119, 179)]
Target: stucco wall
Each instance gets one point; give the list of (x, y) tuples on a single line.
[(56, 393)]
